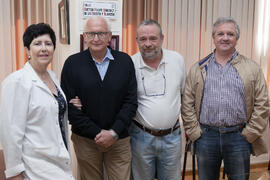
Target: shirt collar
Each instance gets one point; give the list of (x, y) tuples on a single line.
[(143, 65), (108, 56), (214, 59)]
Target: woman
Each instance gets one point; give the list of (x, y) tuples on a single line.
[(33, 114)]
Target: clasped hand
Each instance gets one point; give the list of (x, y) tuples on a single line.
[(104, 138)]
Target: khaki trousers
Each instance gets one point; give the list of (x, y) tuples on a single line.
[(92, 157)]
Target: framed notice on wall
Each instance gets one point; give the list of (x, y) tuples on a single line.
[(106, 9)]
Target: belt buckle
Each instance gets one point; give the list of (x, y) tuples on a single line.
[(155, 133)]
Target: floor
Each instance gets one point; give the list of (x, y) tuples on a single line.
[(257, 172)]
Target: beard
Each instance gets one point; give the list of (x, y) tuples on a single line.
[(153, 54)]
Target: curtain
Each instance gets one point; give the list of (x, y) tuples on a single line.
[(187, 26), (23, 13), (6, 65), (262, 36), (15, 16), (134, 12)]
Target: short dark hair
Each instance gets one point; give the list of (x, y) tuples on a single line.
[(150, 22), (35, 30)]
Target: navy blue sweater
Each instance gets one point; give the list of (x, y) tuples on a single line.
[(107, 104)]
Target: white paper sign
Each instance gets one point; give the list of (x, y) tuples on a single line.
[(104, 9)]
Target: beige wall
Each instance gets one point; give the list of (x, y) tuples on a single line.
[(76, 28)]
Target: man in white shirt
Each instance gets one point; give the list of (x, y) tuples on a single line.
[(155, 131)]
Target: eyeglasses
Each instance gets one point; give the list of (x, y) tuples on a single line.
[(100, 35), (154, 86)]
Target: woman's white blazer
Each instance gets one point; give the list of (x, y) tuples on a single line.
[(29, 128)]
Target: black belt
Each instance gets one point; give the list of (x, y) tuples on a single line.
[(225, 130), (162, 132)]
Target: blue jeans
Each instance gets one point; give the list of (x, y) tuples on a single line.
[(227, 144), (152, 154)]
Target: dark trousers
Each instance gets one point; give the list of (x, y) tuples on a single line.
[(227, 144)]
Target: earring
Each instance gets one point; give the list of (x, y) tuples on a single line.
[(29, 57)]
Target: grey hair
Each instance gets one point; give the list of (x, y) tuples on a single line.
[(222, 20), (98, 17), (150, 22)]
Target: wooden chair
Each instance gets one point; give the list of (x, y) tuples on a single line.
[(2, 166)]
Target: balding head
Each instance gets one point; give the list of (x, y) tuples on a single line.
[(94, 19), (97, 35)]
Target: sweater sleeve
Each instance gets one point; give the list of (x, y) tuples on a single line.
[(82, 125)]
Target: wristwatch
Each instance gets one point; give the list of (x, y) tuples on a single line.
[(114, 134)]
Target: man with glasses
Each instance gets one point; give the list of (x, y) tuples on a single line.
[(225, 107), (104, 81), (155, 132)]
